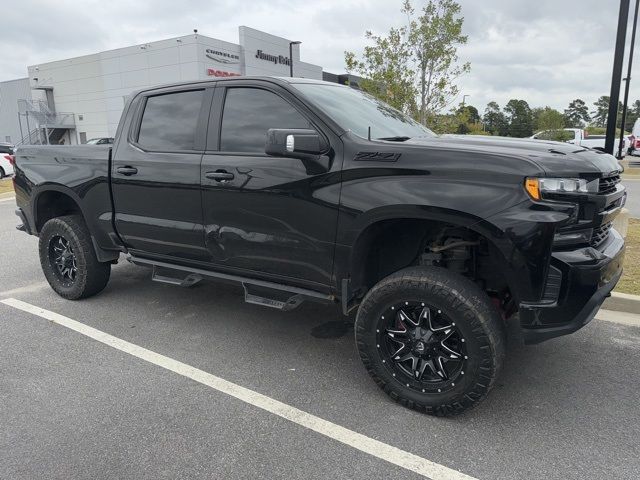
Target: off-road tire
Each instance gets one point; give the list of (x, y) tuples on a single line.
[(475, 316), (91, 277)]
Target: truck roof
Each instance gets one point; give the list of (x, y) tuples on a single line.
[(277, 80)]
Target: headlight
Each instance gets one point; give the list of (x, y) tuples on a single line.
[(537, 187)]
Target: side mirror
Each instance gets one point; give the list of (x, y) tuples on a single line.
[(295, 143)]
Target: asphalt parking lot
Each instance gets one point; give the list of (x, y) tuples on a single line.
[(74, 407)]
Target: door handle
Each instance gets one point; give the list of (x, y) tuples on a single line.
[(219, 176), (127, 170)]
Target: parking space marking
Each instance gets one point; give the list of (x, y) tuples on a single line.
[(331, 430)]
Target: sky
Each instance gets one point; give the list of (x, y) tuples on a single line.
[(547, 52)]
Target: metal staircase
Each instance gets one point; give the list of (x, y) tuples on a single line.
[(43, 125)]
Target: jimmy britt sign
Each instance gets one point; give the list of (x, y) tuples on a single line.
[(277, 59)]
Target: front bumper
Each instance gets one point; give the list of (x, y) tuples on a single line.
[(587, 277)]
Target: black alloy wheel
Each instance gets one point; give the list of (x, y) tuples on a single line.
[(421, 346), (431, 339), (63, 260), (69, 260)]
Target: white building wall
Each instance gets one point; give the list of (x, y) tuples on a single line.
[(94, 87), (252, 41), (10, 92)]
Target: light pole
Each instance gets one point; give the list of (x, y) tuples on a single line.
[(291, 44), (628, 79), (464, 97), (616, 76)]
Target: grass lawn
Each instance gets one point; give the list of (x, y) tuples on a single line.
[(630, 281), (6, 185)]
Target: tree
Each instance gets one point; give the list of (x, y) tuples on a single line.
[(385, 69), (434, 37), (547, 118), (468, 119), (520, 119), (471, 111), (414, 67), (577, 114), (494, 120), (633, 113), (600, 114)]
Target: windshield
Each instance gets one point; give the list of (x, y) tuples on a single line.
[(354, 110)]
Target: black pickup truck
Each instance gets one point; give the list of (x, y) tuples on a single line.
[(305, 190)]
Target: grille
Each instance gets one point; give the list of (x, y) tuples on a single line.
[(600, 234), (608, 184)]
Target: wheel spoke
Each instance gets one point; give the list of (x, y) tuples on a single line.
[(440, 369), (425, 316), (404, 318), (402, 347), (421, 368), (449, 352), (433, 328)]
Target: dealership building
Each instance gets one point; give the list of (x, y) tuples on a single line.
[(70, 101)]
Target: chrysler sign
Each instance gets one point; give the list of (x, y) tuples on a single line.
[(222, 57)]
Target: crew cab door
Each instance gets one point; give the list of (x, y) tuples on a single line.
[(156, 173), (267, 215)]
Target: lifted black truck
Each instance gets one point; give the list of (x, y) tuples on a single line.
[(300, 189)]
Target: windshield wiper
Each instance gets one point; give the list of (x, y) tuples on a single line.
[(394, 139)]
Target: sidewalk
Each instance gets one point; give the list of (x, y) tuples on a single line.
[(623, 302)]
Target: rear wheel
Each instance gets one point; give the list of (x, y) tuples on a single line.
[(1, 173), (68, 259), (431, 339)]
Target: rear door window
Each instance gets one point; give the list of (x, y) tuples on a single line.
[(170, 121)]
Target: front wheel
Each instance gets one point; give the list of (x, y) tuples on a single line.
[(431, 339), (68, 259)]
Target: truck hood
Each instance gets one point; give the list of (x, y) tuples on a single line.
[(555, 158)]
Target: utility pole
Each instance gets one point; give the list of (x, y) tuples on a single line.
[(616, 78), (291, 44), (464, 97), (628, 79)]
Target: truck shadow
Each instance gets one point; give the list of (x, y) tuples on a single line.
[(547, 389)]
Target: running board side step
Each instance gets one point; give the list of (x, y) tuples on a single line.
[(268, 297), (257, 292), (165, 275)]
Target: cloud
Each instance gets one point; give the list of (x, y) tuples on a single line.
[(547, 52)]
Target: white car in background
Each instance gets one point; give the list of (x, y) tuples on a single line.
[(578, 136), (634, 144), (6, 160)]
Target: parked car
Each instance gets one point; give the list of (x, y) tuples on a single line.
[(306, 190), (634, 144), (6, 160), (578, 136), (100, 141)]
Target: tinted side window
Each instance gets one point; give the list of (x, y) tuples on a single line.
[(169, 121), (249, 113)]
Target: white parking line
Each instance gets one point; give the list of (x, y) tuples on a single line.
[(348, 437)]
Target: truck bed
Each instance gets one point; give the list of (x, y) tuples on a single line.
[(81, 171)]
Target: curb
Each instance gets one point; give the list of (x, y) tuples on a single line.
[(623, 302), (7, 195)]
